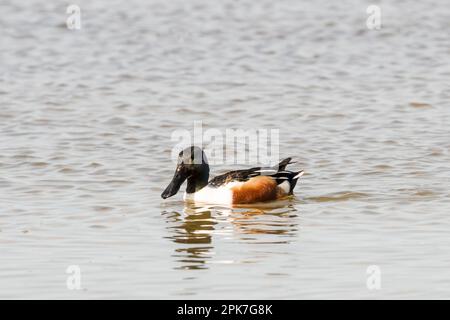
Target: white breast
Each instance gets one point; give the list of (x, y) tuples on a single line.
[(219, 195)]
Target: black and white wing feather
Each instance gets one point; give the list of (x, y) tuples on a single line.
[(277, 172)]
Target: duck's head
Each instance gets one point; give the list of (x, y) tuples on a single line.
[(193, 166)]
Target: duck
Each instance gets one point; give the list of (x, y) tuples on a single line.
[(246, 186)]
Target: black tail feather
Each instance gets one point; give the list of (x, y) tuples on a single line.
[(293, 182), (282, 165)]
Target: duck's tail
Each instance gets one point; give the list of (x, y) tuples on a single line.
[(282, 165), (293, 181)]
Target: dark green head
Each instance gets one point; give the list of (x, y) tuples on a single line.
[(192, 166)]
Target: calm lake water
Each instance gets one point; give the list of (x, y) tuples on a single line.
[(86, 119)]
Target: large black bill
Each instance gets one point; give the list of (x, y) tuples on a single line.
[(174, 186)]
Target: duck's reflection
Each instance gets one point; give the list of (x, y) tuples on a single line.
[(192, 229), (196, 227)]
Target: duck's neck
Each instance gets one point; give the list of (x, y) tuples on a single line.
[(198, 180)]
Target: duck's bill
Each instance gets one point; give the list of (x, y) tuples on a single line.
[(173, 187)]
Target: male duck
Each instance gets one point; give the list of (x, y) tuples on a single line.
[(234, 187)]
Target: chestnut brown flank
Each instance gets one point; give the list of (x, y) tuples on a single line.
[(257, 189)]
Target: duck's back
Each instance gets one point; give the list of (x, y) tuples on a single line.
[(248, 186)]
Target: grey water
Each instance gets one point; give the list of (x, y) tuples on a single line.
[(86, 118)]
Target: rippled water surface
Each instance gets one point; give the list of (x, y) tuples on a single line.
[(86, 119)]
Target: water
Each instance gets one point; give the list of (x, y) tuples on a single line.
[(86, 120)]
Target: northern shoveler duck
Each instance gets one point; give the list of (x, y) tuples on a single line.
[(235, 187)]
